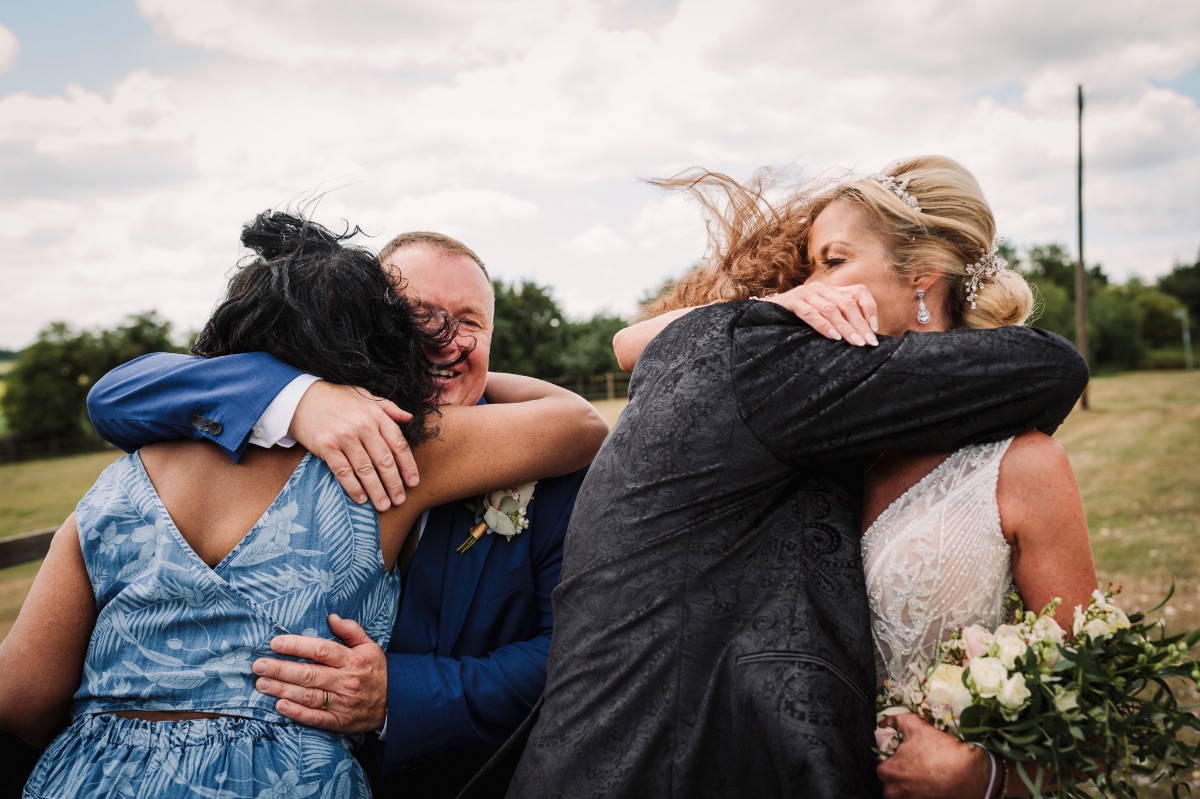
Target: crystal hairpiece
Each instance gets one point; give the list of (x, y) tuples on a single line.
[(989, 266), (898, 189)]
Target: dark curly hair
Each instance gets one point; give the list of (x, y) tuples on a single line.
[(329, 309)]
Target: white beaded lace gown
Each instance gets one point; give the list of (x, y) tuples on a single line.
[(937, 560)]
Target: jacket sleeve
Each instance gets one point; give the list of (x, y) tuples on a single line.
[(167, 396), (440, 705), (809, 399)]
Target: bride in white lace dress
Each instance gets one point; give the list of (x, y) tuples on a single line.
[(948, 536), (951, 538)]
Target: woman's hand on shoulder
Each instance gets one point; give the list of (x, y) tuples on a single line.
[(836, 312)]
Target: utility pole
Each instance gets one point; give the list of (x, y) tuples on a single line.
[(1081, 340), (1187, 339)]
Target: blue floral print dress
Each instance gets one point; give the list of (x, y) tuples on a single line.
[(173, 634)]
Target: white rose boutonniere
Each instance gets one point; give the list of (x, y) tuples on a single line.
[(500, 512)]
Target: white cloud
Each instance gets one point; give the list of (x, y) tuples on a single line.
[(524, 128), (9, 47), (597, 239)]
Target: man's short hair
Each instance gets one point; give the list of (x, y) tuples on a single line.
[(438, 240)]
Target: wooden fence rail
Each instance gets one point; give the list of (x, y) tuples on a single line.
[(22, 548)]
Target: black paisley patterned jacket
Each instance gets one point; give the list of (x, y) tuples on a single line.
[(711, 633)]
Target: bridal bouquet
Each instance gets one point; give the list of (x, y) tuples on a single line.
[(1095, 704)]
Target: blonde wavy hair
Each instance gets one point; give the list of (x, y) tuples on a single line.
[(759, 247)]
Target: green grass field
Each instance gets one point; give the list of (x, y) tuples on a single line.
[(1136, 454)]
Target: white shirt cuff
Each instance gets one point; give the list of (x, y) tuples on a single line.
[(271, 429)]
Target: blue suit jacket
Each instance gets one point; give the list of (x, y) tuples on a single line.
[(467, 657)]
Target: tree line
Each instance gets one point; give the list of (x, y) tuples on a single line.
[(45, 390), (1130, 326)]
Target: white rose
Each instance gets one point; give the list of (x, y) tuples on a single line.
[(1096, 629), (1065, 701), (946, 688), (987, 676), (1117, 620), (1014, 693), (1009, 645)]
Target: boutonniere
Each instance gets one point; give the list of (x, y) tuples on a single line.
[(500, 512)]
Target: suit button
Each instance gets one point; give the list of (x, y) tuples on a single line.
[(210, 426)]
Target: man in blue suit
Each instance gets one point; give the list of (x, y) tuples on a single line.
[(467, 657)]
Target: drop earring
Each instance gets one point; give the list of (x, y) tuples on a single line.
[(922, 312)]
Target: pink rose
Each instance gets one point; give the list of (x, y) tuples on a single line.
[(977, 641), (887, 737)]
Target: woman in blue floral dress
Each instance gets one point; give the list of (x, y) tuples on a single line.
[(179, 566)]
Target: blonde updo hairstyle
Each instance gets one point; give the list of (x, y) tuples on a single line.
[(953, 228)]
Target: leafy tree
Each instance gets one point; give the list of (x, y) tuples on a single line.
[(1159, 313), (529, 331), (1113, 325), (1051, 263), (46, 392), (1184, 283), (588, 350), (1053, 309)]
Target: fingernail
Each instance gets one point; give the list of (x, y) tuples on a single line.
[(833, 334), (857, 340), (383, 505), (874, 342), (875, 324), (257, 667)]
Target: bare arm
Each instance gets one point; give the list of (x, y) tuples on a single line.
[(1042, 514), (41, 660), (530, 430), (629, 342), (836, 312)]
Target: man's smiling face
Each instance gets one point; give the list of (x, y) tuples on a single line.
[(456, 283)]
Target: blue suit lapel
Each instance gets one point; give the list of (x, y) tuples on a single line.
[(461, 577)]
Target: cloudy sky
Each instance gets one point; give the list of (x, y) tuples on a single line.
[(136, 136)]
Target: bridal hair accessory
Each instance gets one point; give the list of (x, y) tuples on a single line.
[(989, 266), (922, 312), (898, 189)]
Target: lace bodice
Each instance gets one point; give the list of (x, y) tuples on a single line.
[(936, 560)]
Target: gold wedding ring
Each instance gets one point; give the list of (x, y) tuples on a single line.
[(325, 704)]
